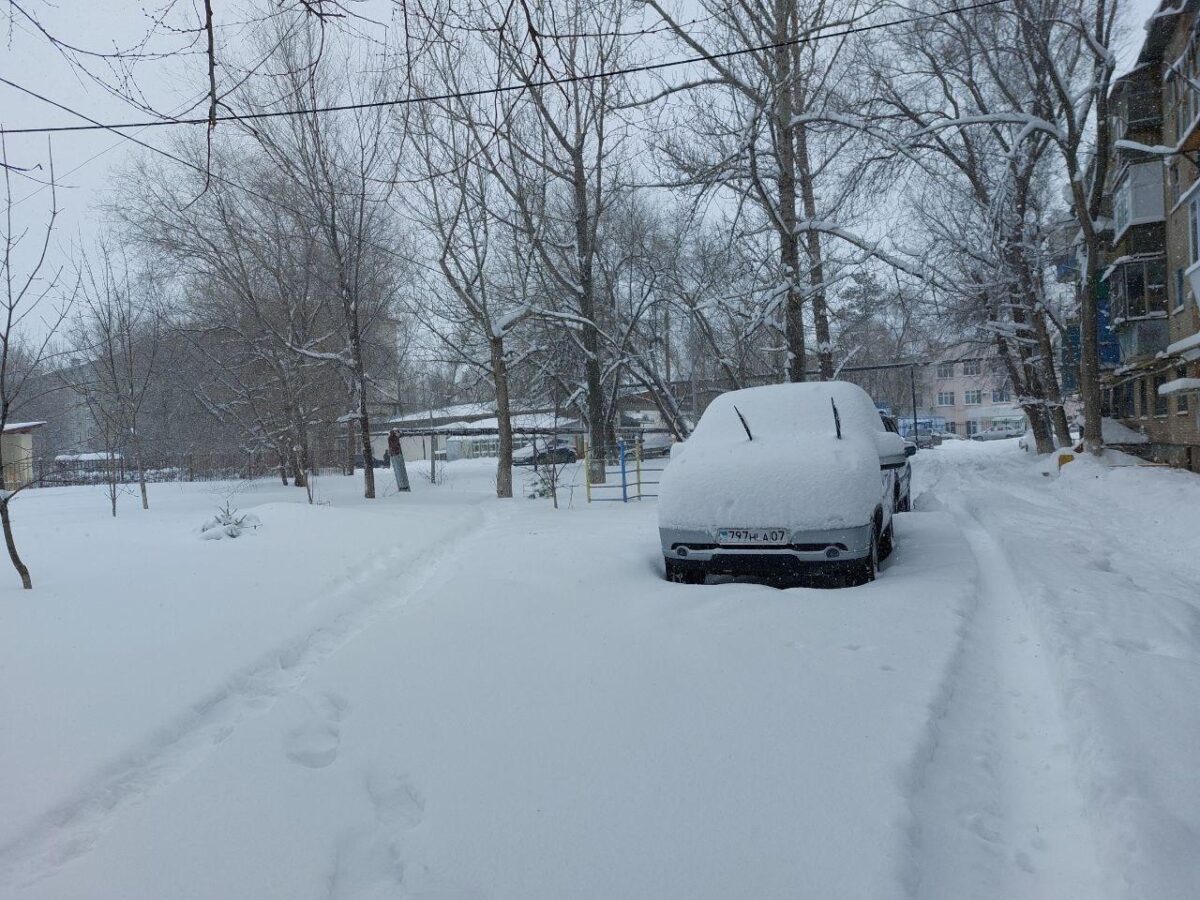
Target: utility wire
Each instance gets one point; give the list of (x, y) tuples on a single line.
[(499, 89)]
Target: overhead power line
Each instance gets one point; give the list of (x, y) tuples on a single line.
[(504, 88)]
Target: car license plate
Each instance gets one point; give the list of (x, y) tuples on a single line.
[(753, 536)]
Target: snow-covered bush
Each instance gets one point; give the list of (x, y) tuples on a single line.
[(229, 523)]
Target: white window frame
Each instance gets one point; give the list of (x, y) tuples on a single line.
[(977, 394), (945, 398)]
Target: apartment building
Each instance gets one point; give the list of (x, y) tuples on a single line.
[(1153, 277), (970, 390)]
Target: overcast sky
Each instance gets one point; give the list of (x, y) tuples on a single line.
[(85, 160)]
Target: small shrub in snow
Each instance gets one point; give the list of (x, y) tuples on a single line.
[(229, 523)]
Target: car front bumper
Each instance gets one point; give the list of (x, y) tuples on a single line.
[(828, 549)]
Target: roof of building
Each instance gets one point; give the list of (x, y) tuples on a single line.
[(14, 427)]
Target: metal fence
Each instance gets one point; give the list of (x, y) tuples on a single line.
[(89, 469)]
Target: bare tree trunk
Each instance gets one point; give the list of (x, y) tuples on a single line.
[(590, 337), (816, 266), (364, 415), (1089, 352), (17, 562), (789, 243), (141, 472), (504, 479), (1050, 388)]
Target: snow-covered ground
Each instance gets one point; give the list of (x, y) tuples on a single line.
[(445, 695)]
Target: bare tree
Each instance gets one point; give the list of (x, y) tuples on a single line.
[(342, 173), (118, 333), (26, 287)]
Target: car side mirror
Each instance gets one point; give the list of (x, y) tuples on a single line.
[(910, 449)]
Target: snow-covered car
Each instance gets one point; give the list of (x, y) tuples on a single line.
[(999, 431), (656, 443), (783, 479), (545, 452)]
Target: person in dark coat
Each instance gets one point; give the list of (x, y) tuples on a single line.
[(396, 456)]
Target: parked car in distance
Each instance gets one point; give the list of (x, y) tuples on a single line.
[(545, 452), (999, 431), (940, 437), (783, 479), (656, 443)]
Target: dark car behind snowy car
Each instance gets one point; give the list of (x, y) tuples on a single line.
[(545, 452)]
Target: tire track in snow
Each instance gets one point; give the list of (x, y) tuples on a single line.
[(997, 810), (75, 826)]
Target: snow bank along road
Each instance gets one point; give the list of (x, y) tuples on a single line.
[(448, 696)]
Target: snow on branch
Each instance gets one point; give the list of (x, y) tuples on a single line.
[(1029, 124)]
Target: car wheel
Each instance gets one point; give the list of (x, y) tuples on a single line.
[(866, 569), (888, 542), (680, 573)]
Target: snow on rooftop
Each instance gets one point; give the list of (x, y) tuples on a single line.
[(1183, 346), (1113, 432), (1179, 386), (85, 457), (460, 411), (21, 426)]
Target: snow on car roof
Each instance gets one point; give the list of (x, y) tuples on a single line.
[(791, 410)]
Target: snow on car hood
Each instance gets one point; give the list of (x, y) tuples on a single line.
[(800, 485), (795, 473)]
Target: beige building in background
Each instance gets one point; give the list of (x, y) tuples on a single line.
[(16, 449), (970, 391)]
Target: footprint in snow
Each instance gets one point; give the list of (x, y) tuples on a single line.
[(397, 803), (315, 743)]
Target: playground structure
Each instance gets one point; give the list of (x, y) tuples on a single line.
[(632, 477)]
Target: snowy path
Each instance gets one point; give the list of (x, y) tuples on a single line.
[(999, 814), (1065, 765)]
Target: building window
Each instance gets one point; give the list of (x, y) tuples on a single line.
[(1181, 399), (1138, 288), (972, 427), (952, 427), (945, 398), (1173, 188), (973, 398), (971, 367), (945, 370), (1194, 228), (1180, 288), (1001, 395), (1160, 400)]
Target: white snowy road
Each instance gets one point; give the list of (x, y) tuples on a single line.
[(509, 702)]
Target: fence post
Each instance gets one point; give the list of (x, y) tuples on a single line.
[(637, 455), (587, 458), (624, 480)]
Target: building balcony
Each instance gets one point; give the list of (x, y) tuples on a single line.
[(1137, 198), (1137, 288), (1141, 339)]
